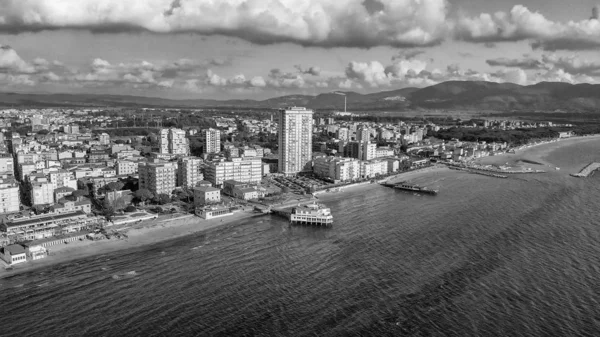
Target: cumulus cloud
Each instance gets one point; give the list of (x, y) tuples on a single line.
[(11, 62), (314, 71), (557, 66), (526, 63), (356, 23), (523, 24)]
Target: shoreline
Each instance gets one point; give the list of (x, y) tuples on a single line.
[(146, 233), (161, 229)]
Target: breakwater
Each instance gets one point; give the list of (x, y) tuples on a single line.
[(587, 171), (483, 173)]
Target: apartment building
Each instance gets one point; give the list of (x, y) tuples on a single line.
[(212, 139), (126, 167), (158, 177), (240, 169), (9, 195), (173, 141), (295, 140), (188, 172)]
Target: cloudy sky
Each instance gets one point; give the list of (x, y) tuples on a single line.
[(264, 48)]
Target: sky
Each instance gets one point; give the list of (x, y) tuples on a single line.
[(238, 49)]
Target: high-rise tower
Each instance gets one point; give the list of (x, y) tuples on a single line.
[(295, 140)]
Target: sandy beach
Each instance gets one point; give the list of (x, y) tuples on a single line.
[(536, 153), (145, 233)]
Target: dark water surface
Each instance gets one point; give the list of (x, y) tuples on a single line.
[(514, 257)]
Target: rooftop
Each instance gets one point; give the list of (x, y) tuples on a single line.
[(14, 249)]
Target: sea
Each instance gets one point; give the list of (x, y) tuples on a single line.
[(485, 257)]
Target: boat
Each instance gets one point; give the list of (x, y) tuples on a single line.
[(557, 168), (312, 214), (404, 186)]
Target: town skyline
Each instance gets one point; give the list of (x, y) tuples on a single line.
[(237, 49)]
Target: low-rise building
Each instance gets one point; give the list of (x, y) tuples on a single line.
[(206, 195), (13, 254), (47, 225)]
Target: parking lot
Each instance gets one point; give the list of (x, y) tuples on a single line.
[(298, 184)]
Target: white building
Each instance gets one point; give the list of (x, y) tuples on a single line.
[(295, 140), (212, 139), (173, 141), (337, 169), (188, 172), (104, 139), (158, 177), (9, 195), (369, 151), (126, 167), (247, 170), (373, 168)]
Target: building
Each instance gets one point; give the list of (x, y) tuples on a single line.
[(62, 178), (7, 165), (173, 141), (337, 169), (369, 151), (188, 172), (247, 193), (211, 212), (62, 192), (212, 139), (343, 134), (370, 169), (41, 191), (157, 177), (295, 140), (126, 167), (206, 195), (248, 170), (10, 200), (363, 134), (13, 254), (42, 226), (104, 138)]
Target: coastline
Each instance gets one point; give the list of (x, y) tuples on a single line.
[(146, 233), (163, 229), (535, 153)]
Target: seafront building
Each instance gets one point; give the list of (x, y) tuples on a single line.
[(247, 170), (295, 140), (158, 177), (188, 172)]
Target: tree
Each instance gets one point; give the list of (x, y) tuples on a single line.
[(163, 198), (115, 186), (130, 209), (43, 132), (143, 195), (107, 210)]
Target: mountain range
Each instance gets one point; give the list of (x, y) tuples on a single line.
[(452, 95)]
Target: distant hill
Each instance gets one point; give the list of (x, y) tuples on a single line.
[(467, 95)]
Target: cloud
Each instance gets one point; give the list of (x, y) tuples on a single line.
[(11, 62), (407, 54), (327, 23), (522, 24), (314, 71), (371, 73), (526, 63)]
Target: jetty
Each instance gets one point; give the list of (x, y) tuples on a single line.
[(403, 186), (475, 171), (587, 171)]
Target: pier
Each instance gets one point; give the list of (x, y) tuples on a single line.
[(587, 171), (474, 171)]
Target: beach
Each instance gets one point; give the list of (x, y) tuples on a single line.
[(145, 233), (528, 157)]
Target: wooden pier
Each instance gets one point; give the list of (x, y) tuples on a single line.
[(474, 171)]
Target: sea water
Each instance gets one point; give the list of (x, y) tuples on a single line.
[(486, 256)]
